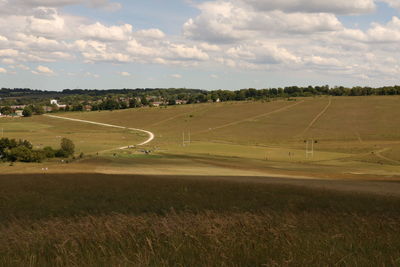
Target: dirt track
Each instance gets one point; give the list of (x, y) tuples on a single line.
[(150, 134)]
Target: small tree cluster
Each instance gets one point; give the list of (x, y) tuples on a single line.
[(22, 150)]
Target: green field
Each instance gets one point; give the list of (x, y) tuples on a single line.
[(357, 135), (43, 131), (241, 193)]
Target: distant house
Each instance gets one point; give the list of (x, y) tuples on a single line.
[(87, 107), (21, 107), (18, 113), (47, 109), (181, 102), (157, 104), (55, 102)]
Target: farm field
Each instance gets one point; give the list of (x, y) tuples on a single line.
[(352, 135), (241, 193)]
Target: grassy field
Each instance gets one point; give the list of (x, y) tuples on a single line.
[(242, 193), (121, 220), (355, 134), (44, 131)]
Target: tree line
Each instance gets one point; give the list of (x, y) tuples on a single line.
[(77, 99)]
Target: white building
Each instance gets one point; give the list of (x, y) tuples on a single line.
[(55, 102)]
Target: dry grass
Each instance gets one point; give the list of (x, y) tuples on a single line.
[(110, 220), (205, 239)]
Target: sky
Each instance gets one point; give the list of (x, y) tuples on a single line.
[(215, 44)]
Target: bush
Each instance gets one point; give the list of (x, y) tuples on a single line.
[(49, 152), (61, 154), (27, 112), (67, 146)]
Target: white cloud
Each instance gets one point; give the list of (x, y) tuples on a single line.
[(46, 22), (224, 22), (181, 51), (209, 47), (151, 33), (125, 74), (267, 35), (386, 33), (176, 76), (43, 70), (8, 61), (98, 31), (3, 70), (8, 53)]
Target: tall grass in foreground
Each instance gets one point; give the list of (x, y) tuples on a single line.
[(100, 220), (206, 239)]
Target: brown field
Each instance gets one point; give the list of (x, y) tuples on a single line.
[(242, 193), (125, 220)]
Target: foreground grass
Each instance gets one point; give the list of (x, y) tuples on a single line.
[(103, 220)]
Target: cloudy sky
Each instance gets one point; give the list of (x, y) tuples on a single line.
[(227, 44)]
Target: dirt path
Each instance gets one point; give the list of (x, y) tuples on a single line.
[(150, 134), (379, 154), (251, 118), (317, 117)]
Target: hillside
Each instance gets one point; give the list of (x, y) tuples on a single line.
[(357, 134)]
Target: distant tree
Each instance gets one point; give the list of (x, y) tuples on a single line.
[(27, 112), (24, 154), (134, 103), (110, 104), (77, 107), (67, 147), (37, 109), (171, 102), (123, 105), (144, 101), (49, 152), (7, 110)]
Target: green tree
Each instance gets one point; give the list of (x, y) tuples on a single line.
[(67, 146), (134, 103), (27, 112), (37, 109), (144, 101), (7, 110)]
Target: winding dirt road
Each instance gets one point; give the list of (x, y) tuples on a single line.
[(150, 134)]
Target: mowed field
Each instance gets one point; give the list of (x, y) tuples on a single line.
[(357, 135)]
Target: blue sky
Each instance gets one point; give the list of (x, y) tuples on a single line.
[(222, 44)]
